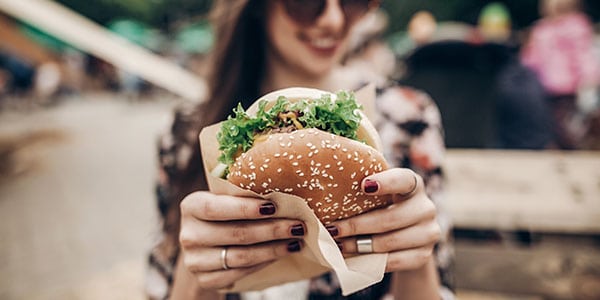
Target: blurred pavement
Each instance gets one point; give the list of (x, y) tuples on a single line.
[(77, 206)]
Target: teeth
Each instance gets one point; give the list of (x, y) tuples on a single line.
[(323, 42)]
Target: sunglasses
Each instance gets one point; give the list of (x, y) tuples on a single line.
[(306, 12)]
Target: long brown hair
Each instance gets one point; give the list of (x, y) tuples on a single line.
[(235, 74)]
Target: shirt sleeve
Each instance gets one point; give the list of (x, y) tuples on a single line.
[(410, 127)]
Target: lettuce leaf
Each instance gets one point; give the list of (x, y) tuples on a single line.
[(238, 132)]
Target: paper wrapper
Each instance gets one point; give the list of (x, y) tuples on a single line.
[(319, 253)]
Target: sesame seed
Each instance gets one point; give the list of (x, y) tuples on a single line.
[(279, 170)]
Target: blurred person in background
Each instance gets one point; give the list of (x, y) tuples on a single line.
[(263, 46), (560, 50), (523, 120)]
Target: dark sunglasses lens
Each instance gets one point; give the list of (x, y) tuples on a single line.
[(354, 9), (304, 11)]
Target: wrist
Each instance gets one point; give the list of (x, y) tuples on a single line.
[(420, 283)]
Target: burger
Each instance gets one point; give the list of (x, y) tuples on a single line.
[(313, 144)]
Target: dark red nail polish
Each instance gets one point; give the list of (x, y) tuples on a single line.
[(333, 230), (294, 246), (297, 230), (340, 245), (371, 186), (267, 209)]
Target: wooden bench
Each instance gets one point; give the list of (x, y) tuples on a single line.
[(550, 197)]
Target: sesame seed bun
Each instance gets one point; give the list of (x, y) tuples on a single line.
[(323, 168)]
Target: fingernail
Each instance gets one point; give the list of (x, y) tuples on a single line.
[(340, 245), (333, 231), (293, 246), (371, 186), (267, 209), (297, 230)]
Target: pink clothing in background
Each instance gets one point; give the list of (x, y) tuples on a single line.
[(560, 50)]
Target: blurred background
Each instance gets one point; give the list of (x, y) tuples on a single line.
[(86, 87)]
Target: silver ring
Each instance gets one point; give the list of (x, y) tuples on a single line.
[(414, 188), (224, 259), (364, 244)]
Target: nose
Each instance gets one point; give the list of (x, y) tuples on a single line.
[(333, 17)]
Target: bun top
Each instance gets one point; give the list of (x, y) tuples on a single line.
[(366, 131)]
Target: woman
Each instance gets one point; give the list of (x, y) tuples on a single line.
[(264, 46)]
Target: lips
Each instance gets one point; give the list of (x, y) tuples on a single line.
[(323, 43), (322, 46)]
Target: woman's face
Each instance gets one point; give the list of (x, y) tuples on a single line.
[(312, 49)]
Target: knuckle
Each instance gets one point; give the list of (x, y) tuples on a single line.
[(189, 203), (246, 210), (186, 238), (242, 235), (435, 232), (243, 258), (351, 227), (280, 229), (394, 264), (277, 252), (389, 221), (206, 282), (423, 256), (210, 210), (188, 262), (431, 208), (389, 244)]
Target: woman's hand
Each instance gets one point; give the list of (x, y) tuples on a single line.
[(249, 229), (406, 229)]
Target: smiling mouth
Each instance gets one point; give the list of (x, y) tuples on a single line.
[(323, 43)]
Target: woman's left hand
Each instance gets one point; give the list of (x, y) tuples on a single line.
[(407, 229)]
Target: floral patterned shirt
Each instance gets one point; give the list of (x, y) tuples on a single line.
[(409, 124)]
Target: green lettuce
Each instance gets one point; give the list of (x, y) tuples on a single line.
[(238, 132)]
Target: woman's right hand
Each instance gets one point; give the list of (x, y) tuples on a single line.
[(250, 229)]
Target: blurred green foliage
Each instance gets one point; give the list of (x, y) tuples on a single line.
[(167, 14), (161, 14)]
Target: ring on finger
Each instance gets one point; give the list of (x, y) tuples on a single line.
[(364, 244), (414, 188), (224, 259)]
